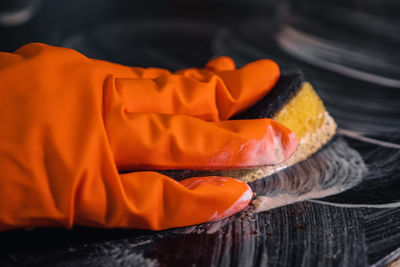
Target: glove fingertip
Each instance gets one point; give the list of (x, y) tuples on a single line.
[(265, 69), (242, 201), (221, 63)]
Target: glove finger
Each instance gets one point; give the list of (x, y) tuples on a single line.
[(162, 141), (122, 71), (7, 59), (216, 64), (209, 95), (220, 64), (150, 200)]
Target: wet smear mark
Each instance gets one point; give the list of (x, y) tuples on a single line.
[(390, 260), (358, 136), (381, 230), (334, 169), (380, 186), (357, 105), (325, 54), (299, 234)]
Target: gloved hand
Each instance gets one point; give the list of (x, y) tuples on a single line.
[(74, 131)]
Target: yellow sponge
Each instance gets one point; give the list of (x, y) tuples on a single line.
[(294, 103), (305, 114)]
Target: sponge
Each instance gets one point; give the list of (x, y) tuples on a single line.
[(294, 103)]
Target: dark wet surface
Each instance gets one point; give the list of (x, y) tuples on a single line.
[(354, 219)]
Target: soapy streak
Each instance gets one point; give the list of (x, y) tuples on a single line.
[(350, 205), (308, 145), (313, 49), (254, 152), (356, 135), (263, 203), (193, 183), (334, 169)]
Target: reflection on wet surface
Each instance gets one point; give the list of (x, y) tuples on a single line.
[(353, 219), (333, 169)]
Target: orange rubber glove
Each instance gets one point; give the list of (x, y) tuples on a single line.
[(69, 125)]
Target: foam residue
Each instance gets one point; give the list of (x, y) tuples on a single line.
[(334, 169), (308, 145)]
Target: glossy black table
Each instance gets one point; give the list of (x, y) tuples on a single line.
[(340, 207)]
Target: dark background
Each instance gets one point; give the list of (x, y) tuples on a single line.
[(54, 21)]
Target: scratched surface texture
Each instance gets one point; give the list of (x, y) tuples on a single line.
[(340, 207)]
